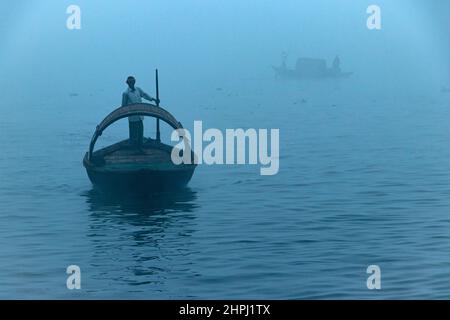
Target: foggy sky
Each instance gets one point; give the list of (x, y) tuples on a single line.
[(204, 42)]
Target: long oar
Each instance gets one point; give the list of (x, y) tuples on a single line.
[(158, 133)]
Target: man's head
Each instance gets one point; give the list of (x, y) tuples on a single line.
[(131, 81)]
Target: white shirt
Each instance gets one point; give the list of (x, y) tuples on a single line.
[(132, 97)]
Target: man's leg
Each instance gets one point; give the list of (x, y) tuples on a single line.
[(140, 132), (133, 132)]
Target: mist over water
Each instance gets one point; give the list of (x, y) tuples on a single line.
[(364, 173)]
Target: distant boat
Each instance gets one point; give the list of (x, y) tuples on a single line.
[(310, 68), (124, 167)]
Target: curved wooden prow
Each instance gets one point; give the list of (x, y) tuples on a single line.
[(139, 109)]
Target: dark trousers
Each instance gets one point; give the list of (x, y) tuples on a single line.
[(136, 132)]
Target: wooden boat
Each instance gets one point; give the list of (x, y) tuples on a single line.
[(127, 168), (124, 167), (309, 68)]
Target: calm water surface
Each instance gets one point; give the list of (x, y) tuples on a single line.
[(363, 180)]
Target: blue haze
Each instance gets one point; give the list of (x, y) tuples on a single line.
[(364, 162)]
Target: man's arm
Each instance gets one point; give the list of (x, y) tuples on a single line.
[(124, 99), (146, 96)]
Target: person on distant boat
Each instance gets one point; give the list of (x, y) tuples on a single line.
[(283, 60), (136, 123), (337, 65)]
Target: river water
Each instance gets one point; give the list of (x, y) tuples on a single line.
[(360, 183)]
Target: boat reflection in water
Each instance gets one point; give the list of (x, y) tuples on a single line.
[(181, 200), (141, 242)]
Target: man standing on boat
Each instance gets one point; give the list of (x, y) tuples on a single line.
[(136, 123), (337, 65)]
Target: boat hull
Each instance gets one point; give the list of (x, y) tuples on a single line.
[(139, 181), (295, 74), (121, 167), (129, 167)]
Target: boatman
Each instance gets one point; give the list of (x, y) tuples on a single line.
[(136, 123), (337, 65)]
